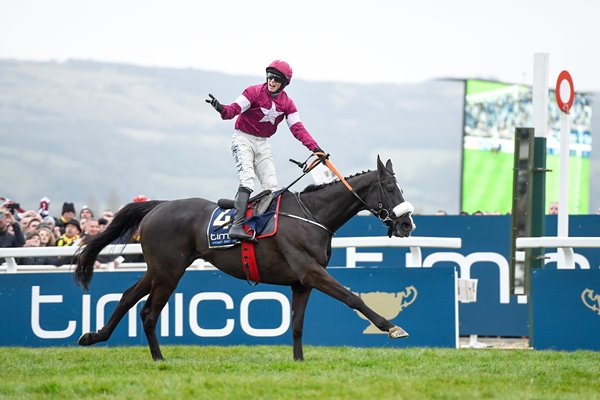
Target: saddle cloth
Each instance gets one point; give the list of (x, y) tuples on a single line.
[(261, 225)]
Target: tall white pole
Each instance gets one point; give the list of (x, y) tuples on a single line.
[(563, 186), (540, 94)]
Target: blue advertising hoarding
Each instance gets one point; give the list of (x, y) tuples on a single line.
[(212, 308), (566, 309), (484, 256)]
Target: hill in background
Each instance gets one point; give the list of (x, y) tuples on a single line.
[(99, 134)]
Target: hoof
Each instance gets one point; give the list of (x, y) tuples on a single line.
[(86, 339), (397, 333)]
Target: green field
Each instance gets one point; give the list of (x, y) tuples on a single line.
[(268, 372)]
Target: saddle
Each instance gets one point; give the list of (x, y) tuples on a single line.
[(261, 219), (259, 203)]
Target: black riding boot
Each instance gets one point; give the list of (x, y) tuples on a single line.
[(241, 202)]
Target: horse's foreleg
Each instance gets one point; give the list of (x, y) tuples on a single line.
[(321, 280), (300, 296), (130, 297)]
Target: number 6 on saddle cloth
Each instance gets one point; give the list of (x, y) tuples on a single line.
[(261, 219)]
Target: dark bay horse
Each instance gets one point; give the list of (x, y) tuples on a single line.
[(174, 234)]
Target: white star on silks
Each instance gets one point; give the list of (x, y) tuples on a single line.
[(270, 113)]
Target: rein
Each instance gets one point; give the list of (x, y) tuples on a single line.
[(345, 182), (305, 169), (383, 214), (383, 217)]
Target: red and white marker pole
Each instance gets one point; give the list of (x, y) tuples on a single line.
[(565, 132)]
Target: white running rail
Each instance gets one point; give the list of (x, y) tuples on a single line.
[(565, 243), (414, 258)]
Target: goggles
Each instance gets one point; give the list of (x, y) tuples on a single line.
[(275, 77)]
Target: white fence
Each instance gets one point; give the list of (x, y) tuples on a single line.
[(415, 243), (413, 259), (565, 244)]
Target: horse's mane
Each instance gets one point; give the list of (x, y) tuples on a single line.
[(313, 187)]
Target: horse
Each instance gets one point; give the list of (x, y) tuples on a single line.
[(174, 233)]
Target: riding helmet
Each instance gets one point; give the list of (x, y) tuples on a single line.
[(282, 69)]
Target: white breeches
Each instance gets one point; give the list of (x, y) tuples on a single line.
[(252, 156)]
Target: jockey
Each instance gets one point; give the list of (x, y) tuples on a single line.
[(260, 108)]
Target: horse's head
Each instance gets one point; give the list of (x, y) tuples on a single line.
[(392, 209)]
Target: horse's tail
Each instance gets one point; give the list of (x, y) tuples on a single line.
[(124, 225)]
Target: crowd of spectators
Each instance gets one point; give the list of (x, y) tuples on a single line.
[(37, 228), (552, 210), (30, 228)]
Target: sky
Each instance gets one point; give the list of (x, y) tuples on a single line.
[(388, 41)]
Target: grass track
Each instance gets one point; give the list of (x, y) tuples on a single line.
[(261, 372)]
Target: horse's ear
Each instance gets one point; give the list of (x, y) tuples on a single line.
[(380, 166), (389, 166)]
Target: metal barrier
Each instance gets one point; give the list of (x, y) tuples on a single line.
[(413, 259), (566, 244), (415, 243)]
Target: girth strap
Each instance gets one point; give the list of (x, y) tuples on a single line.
[(249, 263)]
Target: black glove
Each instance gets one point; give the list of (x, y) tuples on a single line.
[(323, 156), (215, 103)]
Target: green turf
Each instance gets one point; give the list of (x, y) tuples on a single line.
[(261, 372)]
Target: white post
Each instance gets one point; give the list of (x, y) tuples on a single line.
[(563, 185), (540, 94), (564, 79), (563, 200)]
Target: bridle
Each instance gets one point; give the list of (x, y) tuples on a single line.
[(385, 215)]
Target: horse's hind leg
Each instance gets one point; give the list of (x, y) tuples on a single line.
[(318, 278), (300, 296), (130, 297), (159, 296)]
